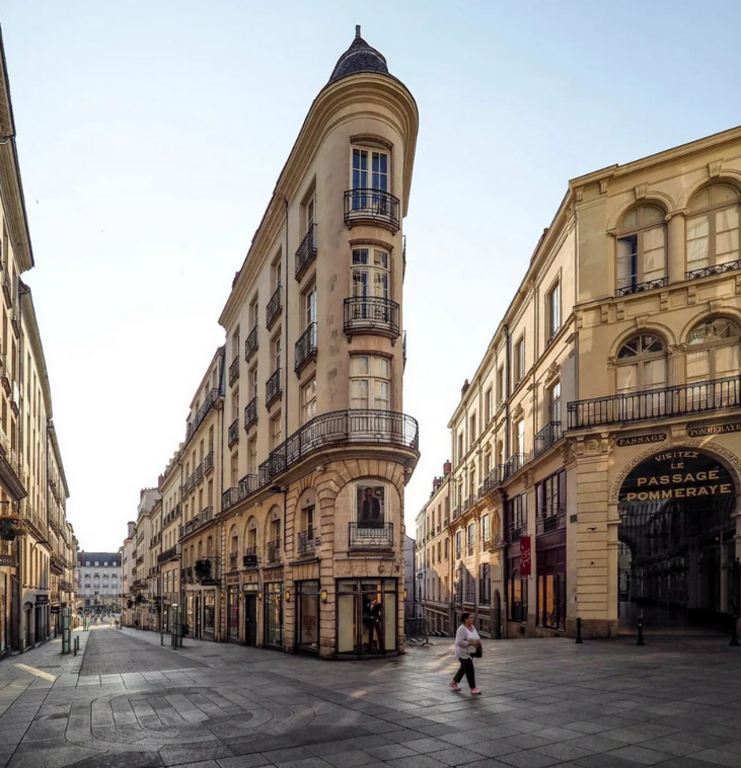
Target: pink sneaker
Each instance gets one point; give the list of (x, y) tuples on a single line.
[(455, 686), (475, 692)]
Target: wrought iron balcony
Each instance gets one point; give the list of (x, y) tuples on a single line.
[(233, 432), (234, 371), (626, 290), (169, 554), (404, 351), (199, 473), (371, 314), (6, 286), (306, 542), (273, 389), (274, 551), (553, 521), (515, 463), (274, 307), (548, 436), (212, 400), (250, 413), (249, 560), (371, 537), (247, 485), (250, 344), (56, 566), (681, 400), (357, 426), (714, 269), (208, 462), (457, 512), (306, 252), (305, 349), (469, 501), (373, 207), (229, 498), (516, 530)]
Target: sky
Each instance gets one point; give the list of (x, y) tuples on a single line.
[(151, 135)]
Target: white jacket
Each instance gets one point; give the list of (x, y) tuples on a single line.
[(464, 642)]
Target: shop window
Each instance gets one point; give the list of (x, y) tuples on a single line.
[(485, 584), (274, 614), (551, 611), (517, 603), (366, 621)]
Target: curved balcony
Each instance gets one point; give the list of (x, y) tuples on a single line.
[(373, 207), (372, 314), (356, 426)]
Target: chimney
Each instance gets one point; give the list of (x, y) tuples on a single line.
[(236, 277), (447, 467), (160, 480), (465, 387)]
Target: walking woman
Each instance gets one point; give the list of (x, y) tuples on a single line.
[(467, 643)]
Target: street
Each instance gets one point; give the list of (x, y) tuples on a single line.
[(127, 701)]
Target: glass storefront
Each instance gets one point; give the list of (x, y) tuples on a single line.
[(232, 613), (189, 611), (209, 614), (4, 601), (308, 615), (366, 616), (274, 613)]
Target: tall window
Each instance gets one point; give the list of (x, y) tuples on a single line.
[(235, 409), (370, 382), (276, 352), (277, 271), (252, 456), (276, 432), (554, 403), (310, 306), (713, 350), (234, 470), (471, 430), (308, 401), (553, 310), (520, 437), (370, 169), (713, 227), (235, 343), (458, 542), (485, 584), (252, 382), (489, 404), (641, 364), (500, 385), (485, 530), (641, 248), (519, 370), (370, 273), (254, 312), (310, 211), (550, 496)]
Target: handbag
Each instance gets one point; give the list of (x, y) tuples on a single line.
[(478, 653)]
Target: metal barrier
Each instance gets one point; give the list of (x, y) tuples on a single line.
[(415, 630)]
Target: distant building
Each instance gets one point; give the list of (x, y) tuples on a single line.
[(99, 581)]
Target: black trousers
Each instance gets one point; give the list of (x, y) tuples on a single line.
[(467, 670)]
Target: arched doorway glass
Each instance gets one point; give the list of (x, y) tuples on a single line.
[(677, 548)]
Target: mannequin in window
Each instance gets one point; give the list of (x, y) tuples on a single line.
[(370, 513)]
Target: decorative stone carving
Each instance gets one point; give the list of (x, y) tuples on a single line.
[(641, 321), (640, 191), (603, 186), (579, 194), (552, 372), (714, 168), (612, 361), (664, 301), (604, 311), (620, 310), (715, 305), (738, 285), (518, 412), (592, 446), (691, 294), (579, 322)]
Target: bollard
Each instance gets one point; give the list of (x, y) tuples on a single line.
[(734, 633), (640, 633), (579, 641)]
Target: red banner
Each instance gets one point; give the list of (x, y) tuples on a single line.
[(526, 556)]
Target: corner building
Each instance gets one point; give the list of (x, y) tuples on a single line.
[(596, 450), (317, 449)]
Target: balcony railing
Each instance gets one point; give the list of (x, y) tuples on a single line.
[(233, 432), (469, 501), (211, 400), (247, 485), (714, 269), (554, 521), (56, 565), (371, 314), (306, 542), (306, 252), (199, 473), (457, 511), (404, 351), (274, 307), (548, 436), (229, 498), (681, 400), (272, 388), (250, 413), (516, 530), (372, 206), (375, 537), (354, 426), (305, 349), (205, 516), (234, 561), (515, 463), (234, 371), (626, 290), (169, 554), (250, 344), (249, 560), (208, 462), (274, 551)]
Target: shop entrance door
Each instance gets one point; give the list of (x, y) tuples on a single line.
[(308, 616), (250, 619), (367, 616), (677, 554)]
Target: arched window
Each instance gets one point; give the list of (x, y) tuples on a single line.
[(641, 250), (712, 229), (641, 364), (713, 350)]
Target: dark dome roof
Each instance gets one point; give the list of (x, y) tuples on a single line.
[(359, 57)]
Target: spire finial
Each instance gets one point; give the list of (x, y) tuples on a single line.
[(357, 31)]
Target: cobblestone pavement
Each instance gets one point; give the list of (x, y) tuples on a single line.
[(132, 703)]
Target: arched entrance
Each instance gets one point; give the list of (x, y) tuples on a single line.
[(677, 553)]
